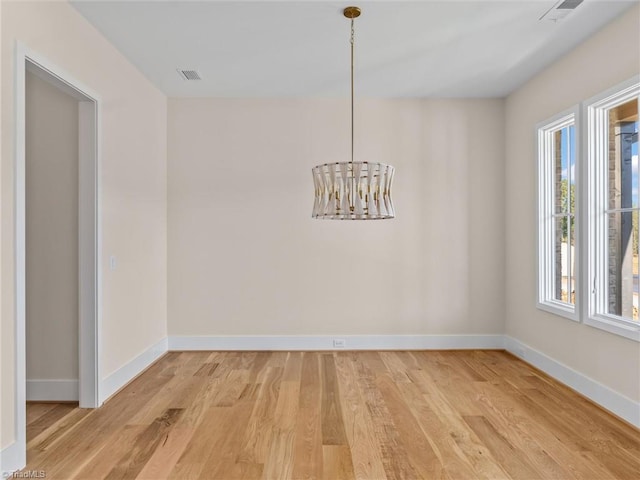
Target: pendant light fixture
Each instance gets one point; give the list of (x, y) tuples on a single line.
[(353, 190)]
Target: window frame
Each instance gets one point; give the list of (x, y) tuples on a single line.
[(545, 258), (595, 111)]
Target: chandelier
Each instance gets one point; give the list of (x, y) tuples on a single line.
[(353, 190)]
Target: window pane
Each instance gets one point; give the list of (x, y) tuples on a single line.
[(622, 264), (564, 168), (634, 165), (564, 284), (556, 183), (635, 218), (623, 156), (571, 159)]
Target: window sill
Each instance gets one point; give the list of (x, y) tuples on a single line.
[(614, 326), (560, 309)]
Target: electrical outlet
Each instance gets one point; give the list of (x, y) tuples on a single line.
[(339, 343)]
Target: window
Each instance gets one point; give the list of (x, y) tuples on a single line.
[(589, 222), (557, 232), (613, 208)]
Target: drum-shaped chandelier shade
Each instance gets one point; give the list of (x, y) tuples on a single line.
[(353, 190)]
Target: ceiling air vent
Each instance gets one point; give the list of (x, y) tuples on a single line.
[(561, 10), (189, 74)]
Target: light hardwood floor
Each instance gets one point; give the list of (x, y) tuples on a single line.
[(324, 415)]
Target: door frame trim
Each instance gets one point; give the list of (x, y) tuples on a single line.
[(89, 231)]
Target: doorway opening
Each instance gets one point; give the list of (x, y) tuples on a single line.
[(57, 240)]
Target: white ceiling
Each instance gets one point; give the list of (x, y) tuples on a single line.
[(403, 49)]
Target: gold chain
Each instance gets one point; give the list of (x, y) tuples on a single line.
[(352, 44)]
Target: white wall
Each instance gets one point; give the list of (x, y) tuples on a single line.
[(246, 258), (607, 58), (51, 232), (133, 189)]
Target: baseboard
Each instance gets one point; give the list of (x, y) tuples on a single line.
[(132, 369), (52, 390), (607, 398), (13, 457), (326, 342)]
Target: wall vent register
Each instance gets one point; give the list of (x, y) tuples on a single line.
[(189, 74)]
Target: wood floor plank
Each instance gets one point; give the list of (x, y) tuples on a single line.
[(588, 414), (293, 367), (554, 428), (337, 462), (188, 471), (191, 363), (452, 380), (49, 418), (246, 360), (332, 422), (395, 366), (461, 366), (90, 435), (174, 389), (166, 455), (484, 465), (208, 433), (36, 410), (167, 364), (524, 433), (255, 445), (438, 434), (225, 462), (230, 389), (286, 411), (619, 462), (372, 360), (279, 462), (447, 415), (365, 451), (307, 447), (310, 386), (116, 448), (278, 359), (517, 466), (144, 446), (394, 457), (48, 437), (206, 370), (203, 390), (482, 364), (419, 451), (226, 444), (307, 453), (260, 362), (229, 470), (409, 359)]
